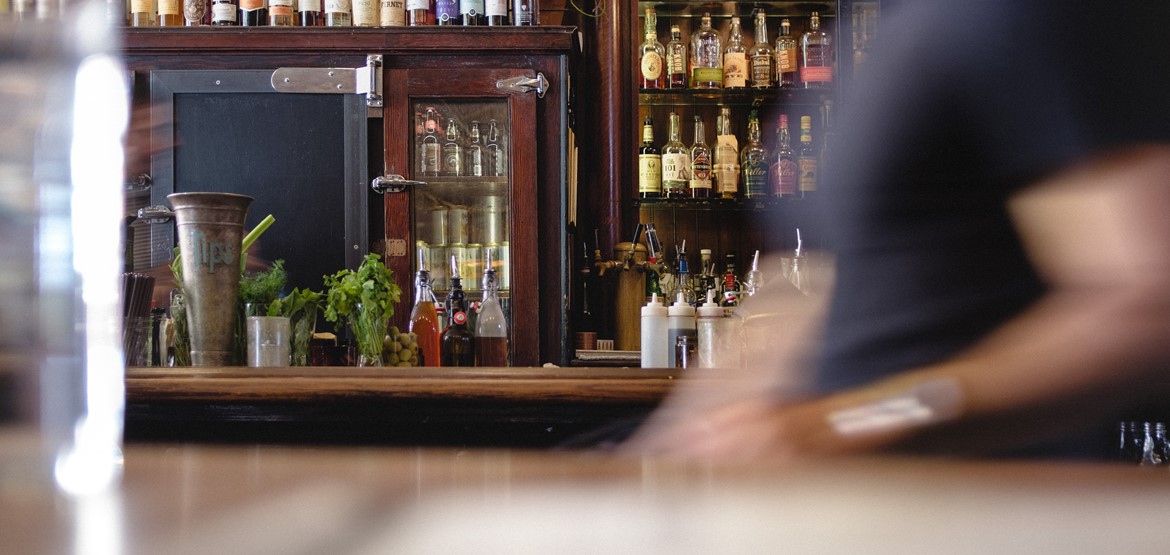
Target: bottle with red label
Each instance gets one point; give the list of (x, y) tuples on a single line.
[(816, 55), (457, 345)]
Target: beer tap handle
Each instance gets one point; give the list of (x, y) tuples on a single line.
[(654, 247)]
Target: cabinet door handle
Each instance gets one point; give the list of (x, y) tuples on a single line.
[(393, 183), (524, 84)]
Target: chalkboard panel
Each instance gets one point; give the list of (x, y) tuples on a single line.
[(303, 157)]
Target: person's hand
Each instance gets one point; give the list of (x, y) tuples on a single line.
[(746, 429)]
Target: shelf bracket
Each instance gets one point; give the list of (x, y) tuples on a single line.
[(365, 80)]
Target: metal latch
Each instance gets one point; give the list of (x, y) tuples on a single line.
[(393, 183), (524, 84), (334, 80)]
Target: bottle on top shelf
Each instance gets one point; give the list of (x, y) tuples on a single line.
[(735, 71), (420, 12), (652, 55), (170, 13), (676, 163), (676, 60), (496, 12), (761, 60), (649, 163), (700, 183), (337, 13), (472, 12), (816, 55), (392, 13), (784, 170), (753, 161), (786, 59), (253, 13), (807, 158), (365, 13), (726, 156), (446, 12), (224, 13), (310, 13), (280, 13), (706, 56)]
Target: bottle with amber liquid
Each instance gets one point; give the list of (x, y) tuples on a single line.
[(785, 53), (816, 56), (457, 346), (753, 162), (491, 327), (784, 168), (253, 13), (652, 56), (424, 320), (676, 60), (142, 13), (170, 13), (309, 13), (420, 12), (676, 163), (649, 163), (700, 163), (806, 159)]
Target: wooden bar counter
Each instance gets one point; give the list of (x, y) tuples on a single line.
[(459, 407), (258, 500)]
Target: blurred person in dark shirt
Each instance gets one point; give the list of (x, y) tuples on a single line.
[(999, 217)]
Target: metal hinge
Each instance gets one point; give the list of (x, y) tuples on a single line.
[(524, 84), (334, 80)]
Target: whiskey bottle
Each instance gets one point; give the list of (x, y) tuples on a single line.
[(431, 150), (700, 163), (816, 55), (676, 163), (649, 163), (726, 156), (446, 12), (706, 56), (280, 13), (785, 55), (452, 151), (253, 13), (497, 12), (472, 12), (652, 55), (784, 167), (761, 60), (170, 13), (753, 161), (807, 158), (475, 162), (491, 327), (337, 13), (735, 58), (420, 12), (224, 12), (392, 13), (676, 60)]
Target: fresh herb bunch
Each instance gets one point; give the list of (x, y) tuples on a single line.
[(265, 286), (300, 307), (372, 288)]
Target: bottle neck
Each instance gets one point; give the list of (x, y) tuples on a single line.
[(648, 134), (674, 128), (699, 133), (761, 31)]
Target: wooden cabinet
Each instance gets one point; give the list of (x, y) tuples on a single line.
[(213, 123)]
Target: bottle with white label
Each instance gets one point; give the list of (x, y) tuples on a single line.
[(735, 70), (654, 334), (392, 13)]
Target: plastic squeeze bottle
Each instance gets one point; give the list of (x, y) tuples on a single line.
[(680, 320), (710, 315), (654, 351)]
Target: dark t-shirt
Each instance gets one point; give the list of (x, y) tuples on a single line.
[(962, 105)]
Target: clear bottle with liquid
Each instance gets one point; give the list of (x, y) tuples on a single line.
[(491, 327), (706, 56), (452, 150), (676, 163), (651, 55), (726, 156), (431, 149), (761, 60), (676, 60), (735, 70), (424, 320)]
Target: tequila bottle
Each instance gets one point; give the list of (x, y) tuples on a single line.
[(753, 161), (652, 55), (735, 58), (761, 61), (706, 56), (676, 60), (816, 55), (700, 163), (676, 163), (785, 55)]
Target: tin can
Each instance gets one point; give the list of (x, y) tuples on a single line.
[(458, 222), (501, 263), (438, 230), (491, 221), (472, 266)]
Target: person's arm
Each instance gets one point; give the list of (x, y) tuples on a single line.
[(1099, 235)]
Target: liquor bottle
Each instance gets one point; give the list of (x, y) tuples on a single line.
[(784, 166), (497, 12), (785, 55), (447, 12), (807, 158), (676, 60), (651, 55), (827, 138), (310, 13), (452, 151), (475, 162), (735, 58), (730, 286), (457, 345), (761, 60), (700, 163), (491, 328), (142, 13), (676, 163), (525, 12), (706, 56), (420, 12), (224, 12), (753, 161), (253, 13), (497, 158), (365, 13), (280, 13), (170, 13), (472, 12), (424, 321), (337, 13), (195, 12), (726, 156), (392, 13), (816, 55), (649, 163), (431, 150)]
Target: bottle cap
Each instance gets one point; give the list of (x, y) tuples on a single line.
[(681, 307), (710, 309), (654, 308)]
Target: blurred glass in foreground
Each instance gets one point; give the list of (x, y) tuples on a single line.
[(63, 110)]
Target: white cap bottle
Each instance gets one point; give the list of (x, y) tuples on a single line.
[(654, 352), (680, 321), (710, 315)]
